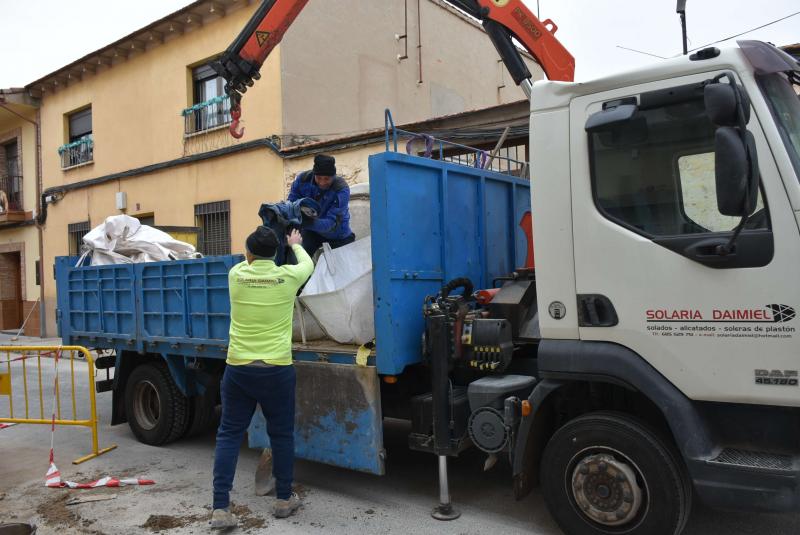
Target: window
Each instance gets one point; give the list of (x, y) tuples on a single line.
[(146, 219), (12, 158), (211, 107), (213, 220), (782, 96), (80, 124), (699, 189), (76, 232), (79, 148), (11, 179), (655, 173)]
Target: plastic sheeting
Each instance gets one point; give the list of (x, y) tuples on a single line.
[(339, 293), (121, 239)]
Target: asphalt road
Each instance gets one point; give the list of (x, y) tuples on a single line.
[(336, 500)]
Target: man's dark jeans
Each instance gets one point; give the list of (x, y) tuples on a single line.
[(313, 241), (242, 387)]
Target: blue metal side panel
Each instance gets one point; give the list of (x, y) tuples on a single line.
[(341, 426), (96, 303), (177, 307), (431, 222), (185, 307)]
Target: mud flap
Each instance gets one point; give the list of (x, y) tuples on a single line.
[(338, 418)]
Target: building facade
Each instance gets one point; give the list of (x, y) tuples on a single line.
[(140, 126), (19, 236)]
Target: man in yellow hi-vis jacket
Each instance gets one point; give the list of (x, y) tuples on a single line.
[(259, 367)]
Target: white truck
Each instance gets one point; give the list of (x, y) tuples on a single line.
[(653, 353), (666, 204)]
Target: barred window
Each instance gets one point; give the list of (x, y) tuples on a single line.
[(76, 232), (213, 220), (11, 177), (211, 106), (79, 148)]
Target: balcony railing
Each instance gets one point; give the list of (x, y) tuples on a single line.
[(11, 185), (207, 115), (76, 153)]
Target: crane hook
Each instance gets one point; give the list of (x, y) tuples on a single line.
[(236, 114)]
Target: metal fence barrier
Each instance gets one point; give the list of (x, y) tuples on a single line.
[(22, 382)]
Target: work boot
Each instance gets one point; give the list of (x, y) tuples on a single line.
[(265, 482), (222, 519), (284, 508)]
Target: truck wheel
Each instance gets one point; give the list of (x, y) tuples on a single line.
[(608, 473), (203, 414), (156, 409)]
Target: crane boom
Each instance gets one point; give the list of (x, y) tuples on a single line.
[(503, 20)]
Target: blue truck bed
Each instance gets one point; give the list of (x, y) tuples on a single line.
[(431, 221)]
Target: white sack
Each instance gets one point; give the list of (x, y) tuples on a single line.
[(339, 293), (121, 239), (307, 321)]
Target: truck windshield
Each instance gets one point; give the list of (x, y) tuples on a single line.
[(783, 95)]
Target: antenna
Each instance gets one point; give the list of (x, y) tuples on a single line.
[(681, 10)]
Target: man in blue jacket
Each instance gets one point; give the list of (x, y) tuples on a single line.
[(333, 195)]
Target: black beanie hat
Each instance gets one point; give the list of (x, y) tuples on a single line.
[(324, 165), (263, 242)]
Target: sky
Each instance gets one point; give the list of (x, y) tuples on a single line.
[(39, 36)]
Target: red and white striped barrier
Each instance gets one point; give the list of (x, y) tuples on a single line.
[(53, 477), (53, 480), (3, 426)]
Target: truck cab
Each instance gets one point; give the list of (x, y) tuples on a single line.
[(665, 222)]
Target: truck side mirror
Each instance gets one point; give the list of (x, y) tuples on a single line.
[(736, 160), (736, 172)]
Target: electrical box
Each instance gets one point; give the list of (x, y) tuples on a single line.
[(122, 200)]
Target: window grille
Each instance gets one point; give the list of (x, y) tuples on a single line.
[(213, 220), (11, 178), (76, 232)]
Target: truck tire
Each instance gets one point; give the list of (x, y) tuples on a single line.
[(203, 414), (156, 409), (608, 473)]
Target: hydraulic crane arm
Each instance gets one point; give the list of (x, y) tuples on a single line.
[(503, 21)]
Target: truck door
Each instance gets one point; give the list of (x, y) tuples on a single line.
[(647, 230)]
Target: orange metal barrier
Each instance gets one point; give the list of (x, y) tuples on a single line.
[(16, 375)]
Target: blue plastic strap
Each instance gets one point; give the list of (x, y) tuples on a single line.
[(206, 104), (85, 140)]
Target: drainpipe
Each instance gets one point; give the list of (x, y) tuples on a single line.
[(419, 40), (38, 134)]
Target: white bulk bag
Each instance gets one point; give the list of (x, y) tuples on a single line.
[(121, 239), (339, 293), (303, 320)]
